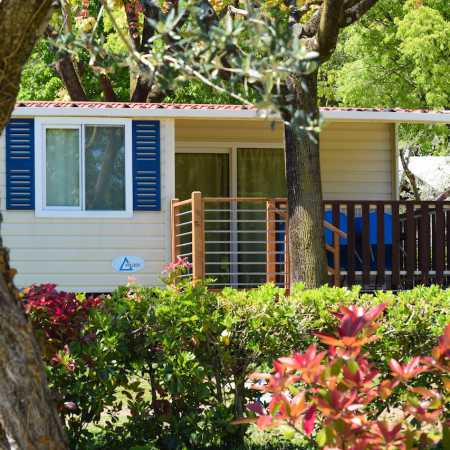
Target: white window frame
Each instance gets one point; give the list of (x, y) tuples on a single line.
[(41, 209)]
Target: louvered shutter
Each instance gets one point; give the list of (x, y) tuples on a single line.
[(20, 164), (146, 165)]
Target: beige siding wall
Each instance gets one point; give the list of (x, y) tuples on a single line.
[(230, 131), (357, 161), (356, 158), (77, 253)]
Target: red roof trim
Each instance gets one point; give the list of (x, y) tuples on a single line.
[(191, 106)]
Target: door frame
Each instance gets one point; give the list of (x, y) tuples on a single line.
[(230, 148)]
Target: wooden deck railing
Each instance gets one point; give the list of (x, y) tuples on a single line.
[(243, 242)]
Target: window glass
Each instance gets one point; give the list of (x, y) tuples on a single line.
[(105, 167), (62, 167)]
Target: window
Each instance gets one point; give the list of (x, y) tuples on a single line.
[(85, 167)]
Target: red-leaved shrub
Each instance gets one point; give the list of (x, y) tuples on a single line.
[(58, 317), (331, 391)]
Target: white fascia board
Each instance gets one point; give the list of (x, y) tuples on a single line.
[(139, 113), (386, 116), (329, 116)]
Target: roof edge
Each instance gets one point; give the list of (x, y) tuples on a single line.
[(205, 111)]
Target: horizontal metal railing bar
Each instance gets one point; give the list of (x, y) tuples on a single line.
[(244, 221), (244, 242), (187, 233), (238, 211), (184, 213), (241, 263), (184, 244), (184, 255), (243, 273), (237, 231), (260, 209), (184, 223), (243, 199), (244, 253)]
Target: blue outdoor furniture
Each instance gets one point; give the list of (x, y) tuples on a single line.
[(358, 227), (373, 238)]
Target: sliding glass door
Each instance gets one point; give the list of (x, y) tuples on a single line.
[(260, 173), (209, 173), (235, 234)]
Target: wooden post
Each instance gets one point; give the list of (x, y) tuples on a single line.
[(198, 237), (174, 221), (271, 245)]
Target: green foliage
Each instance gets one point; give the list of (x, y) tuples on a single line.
[(167, 367), (329, 394), (396, 56), (39, 79)]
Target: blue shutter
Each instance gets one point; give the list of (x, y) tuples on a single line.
[(146, 165), (20, 164)]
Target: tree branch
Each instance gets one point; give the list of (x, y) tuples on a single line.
[(404, 158), (330, 19), (310, 28), (69, 75), (107, 88), (354, 13)]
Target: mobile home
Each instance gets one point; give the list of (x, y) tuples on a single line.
[(87, 187)]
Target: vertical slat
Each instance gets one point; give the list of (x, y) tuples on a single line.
[(351, 243), (424, 242), (174, 222), (439, 243), (271, 246), (410, 245), (198, 237), (337, 259), (381, 253), (366, 243), (395, 281), (433, 239), (335, 219), (447, 216), (336, 211)]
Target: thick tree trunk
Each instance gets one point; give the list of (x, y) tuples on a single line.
[(306, 242), (28, 418), (27, 413)]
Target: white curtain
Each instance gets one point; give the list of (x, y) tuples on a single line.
[(63, 167)]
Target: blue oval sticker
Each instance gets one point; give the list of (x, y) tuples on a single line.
[(128, 264)]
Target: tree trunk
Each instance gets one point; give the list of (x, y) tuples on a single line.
[(69, 75), (27, 413), (140, 87), (28, 418), (306, 240)]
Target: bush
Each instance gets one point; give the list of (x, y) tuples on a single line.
[(169, 366), (328, 393)]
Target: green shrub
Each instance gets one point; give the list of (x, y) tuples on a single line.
[(168, 366)]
